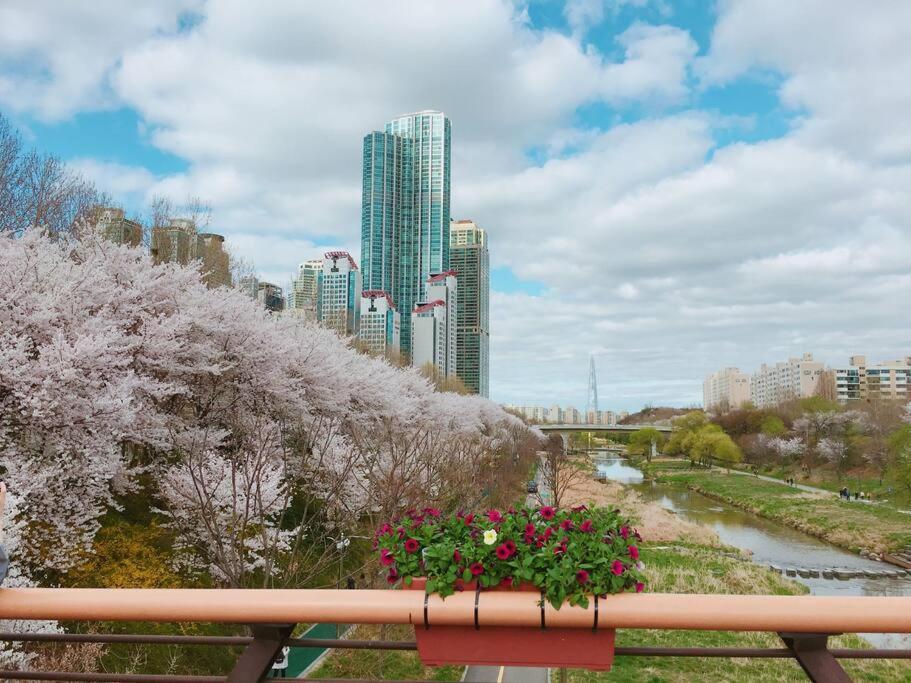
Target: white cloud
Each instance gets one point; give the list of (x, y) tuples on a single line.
[(662, 253), (55, 57), (846, 64)]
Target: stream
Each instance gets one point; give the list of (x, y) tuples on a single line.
[(768, 543)]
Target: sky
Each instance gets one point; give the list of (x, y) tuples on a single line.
[(670, 186)]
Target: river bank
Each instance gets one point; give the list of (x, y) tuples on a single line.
[(853, 525), (682, 556)]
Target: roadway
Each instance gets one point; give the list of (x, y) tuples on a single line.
[(505, 674)]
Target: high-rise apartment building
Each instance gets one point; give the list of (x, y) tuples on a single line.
[(112, 225), (214, 263), (429, 340), (726, 389), (179, 242), (269, 295), (339, 293), (796, 378), (554, 414), (380, 325), (405, 208), (174, 242), (470, 259), (444, 287), (304, 289), (890, 380)]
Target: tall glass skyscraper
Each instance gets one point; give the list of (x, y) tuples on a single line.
[(405, 209)]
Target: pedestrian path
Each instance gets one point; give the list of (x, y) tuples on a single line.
[(300, 658), (504, 674), (802, 487)]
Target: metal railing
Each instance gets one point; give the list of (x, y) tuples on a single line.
[(804, 623)]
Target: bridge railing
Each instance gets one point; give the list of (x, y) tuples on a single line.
[(804, 623)]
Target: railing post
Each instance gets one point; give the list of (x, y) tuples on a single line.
[(256, 660), (812, 653)]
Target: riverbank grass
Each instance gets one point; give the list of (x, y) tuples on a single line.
[(853, 525)]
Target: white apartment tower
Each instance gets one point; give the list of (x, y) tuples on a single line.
[(380, 324), (338, 293), (796, 378), (428, 336), (726, 389), (441, 290)]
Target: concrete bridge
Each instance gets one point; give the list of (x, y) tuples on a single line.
[(564, 428)]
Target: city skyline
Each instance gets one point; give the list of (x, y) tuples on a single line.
[(674, 187)]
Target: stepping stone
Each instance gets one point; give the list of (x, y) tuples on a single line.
[(813, 573), (790, 571), (775, 568), (828, 573), (804, 573), (843, 574)]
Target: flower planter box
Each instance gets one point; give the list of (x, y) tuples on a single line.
[(513, 645)]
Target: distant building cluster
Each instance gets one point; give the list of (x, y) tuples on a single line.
[(802, 377), (423, 287), (422, 293), (569, 415), (177, 242)]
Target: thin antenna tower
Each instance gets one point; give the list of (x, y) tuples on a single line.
[(592, 386)]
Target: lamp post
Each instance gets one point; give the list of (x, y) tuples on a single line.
[(341, 544)]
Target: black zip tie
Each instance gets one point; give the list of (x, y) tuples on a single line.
[(595, 625), (543, 624), (477, 597), (426, 617)]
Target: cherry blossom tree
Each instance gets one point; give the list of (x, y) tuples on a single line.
[(263, 436)]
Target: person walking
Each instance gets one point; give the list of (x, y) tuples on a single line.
[(4, 557), (280, 665)]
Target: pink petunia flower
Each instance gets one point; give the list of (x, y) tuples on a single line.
[(502, 552), (386, 558), (634, 552), (494, 516), (547, 512), (411, 545), (587, 526), (476, 568), (582, 576), (640, 586), (624, 532), (617, 568)]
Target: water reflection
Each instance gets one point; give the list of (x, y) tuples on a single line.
[(616, 469)]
